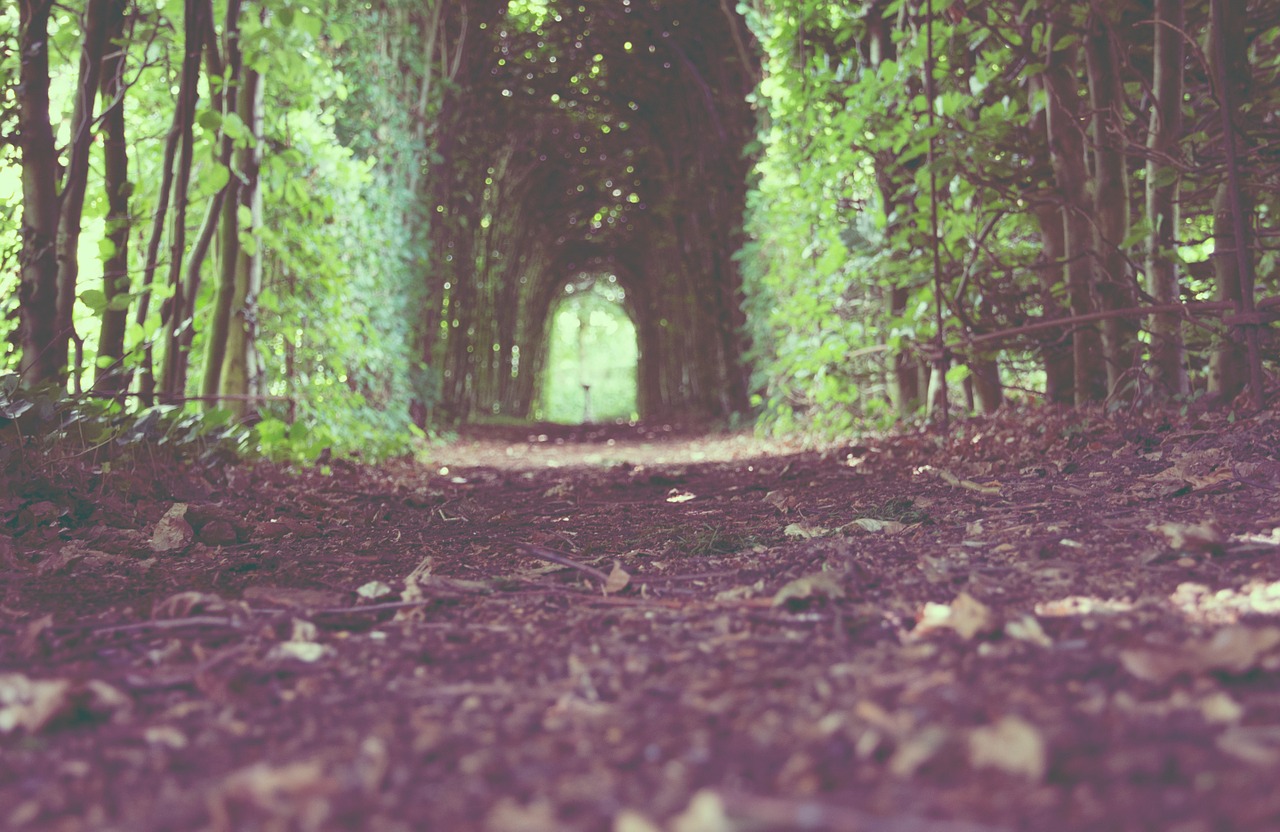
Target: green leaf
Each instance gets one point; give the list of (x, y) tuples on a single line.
[(95, 299), (209, 119)]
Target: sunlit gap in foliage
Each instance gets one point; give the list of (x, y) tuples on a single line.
[(592, 355)]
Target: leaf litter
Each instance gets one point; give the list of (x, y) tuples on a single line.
[(1044, 622)]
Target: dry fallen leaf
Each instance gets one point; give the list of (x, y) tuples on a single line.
[(299, 792), (172, 531), (1200, 537), (1233, 649), (815, 585), (1256, 744), (1011, 745), (1027, 628), (31, 704), (917, 749), (302, 651), (373, 590), (780, 500), (508, 815), (294, 597), (705, 813), (185, 604), (629, 820), (966, 615), (618, 579), (804, 531)]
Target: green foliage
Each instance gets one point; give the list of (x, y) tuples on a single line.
[(592, 342), (343, 242)]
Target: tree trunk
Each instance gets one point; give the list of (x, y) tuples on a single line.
[(1228, 369), (1110, 198), (1067, 153), (906, 386), (173, 384), (1168, 366), (38, 263), (229, 223), (193, 271), (1055, 351), (110, 379), (239, 379), (987, 387), (71, 208)]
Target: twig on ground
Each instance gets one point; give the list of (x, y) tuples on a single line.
[(551, 555), (810, 814)]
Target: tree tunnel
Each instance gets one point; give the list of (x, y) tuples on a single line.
[(589, 138), (590, 369)]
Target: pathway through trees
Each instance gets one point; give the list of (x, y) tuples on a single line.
[(1064, 625)]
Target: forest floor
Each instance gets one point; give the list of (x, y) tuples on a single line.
[(1046, 621)]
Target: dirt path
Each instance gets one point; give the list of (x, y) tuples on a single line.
[(1038, 625)]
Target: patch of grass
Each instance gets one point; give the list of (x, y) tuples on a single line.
[(900, 509), (706, 540), (702, 540)]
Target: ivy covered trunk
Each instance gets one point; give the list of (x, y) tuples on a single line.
[(1168, 364), (1110, 198), (1067, 152), (1228, 370), (38, 290), (110, 377), (240, 379)]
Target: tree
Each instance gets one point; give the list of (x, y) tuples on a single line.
[(110, 378), (38, 291), (1162, 184)]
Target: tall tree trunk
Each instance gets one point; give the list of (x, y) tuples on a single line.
[(146, 379), (229, 224), (906, 386), (38, 263), (1067, 153), (1228, 370), (110, 378), (71, 208), (1168, 366), (1055, 349), (1110, 198), (173, 384), (239, 379), (193, 272)]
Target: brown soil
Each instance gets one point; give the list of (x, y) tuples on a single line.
[(1047, 622)]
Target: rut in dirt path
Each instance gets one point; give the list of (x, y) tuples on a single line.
[(1056, 628)]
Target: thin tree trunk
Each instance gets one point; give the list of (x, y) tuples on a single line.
[(193, 272), (1228, 369), (1168, 366), (229, 229), (238, 380), (1067, 153), (1055, 349), (146, 379), (110, 379), (905, 368), (1110, 198), (71, 208), (173, 385), (38, 263)]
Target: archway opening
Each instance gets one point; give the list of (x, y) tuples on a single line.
[(590, 371)]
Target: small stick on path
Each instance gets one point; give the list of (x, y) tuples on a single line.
[(552, 556)]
